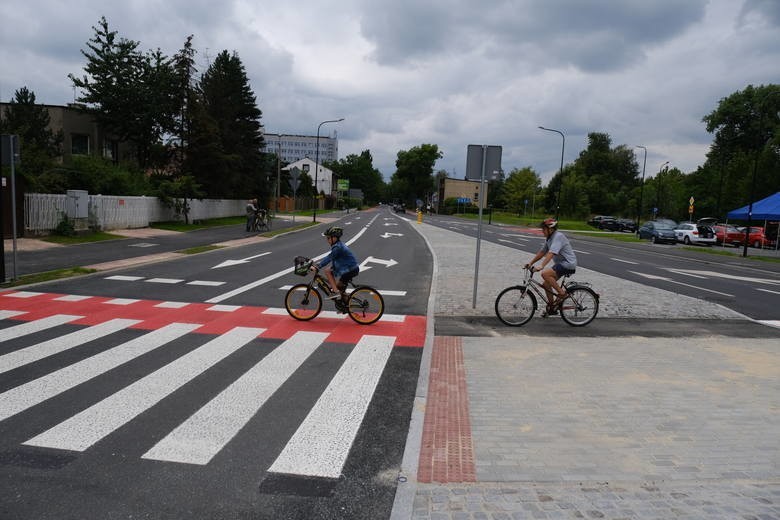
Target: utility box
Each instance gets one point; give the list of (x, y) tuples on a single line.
[(77, 205)]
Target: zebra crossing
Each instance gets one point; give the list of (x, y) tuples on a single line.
[(38, 328)]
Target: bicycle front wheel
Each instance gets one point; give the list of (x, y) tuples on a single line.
[(581, 307), (365, 305), (303, 302), (515, 306)]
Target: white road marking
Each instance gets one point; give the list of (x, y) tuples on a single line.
[(654, 277), (771, 323), (86, 428), (715, 274), (123, 278), (580, 252), (121, 301), (172, 305), (30, 394), (230, 263), (224, 308), (33, 353), (206, 283), (322, 442), (767, 290), (22, 294), (4, 315), (30, 327), (72, 298), (624, 261), (164, 280), (198, 439)]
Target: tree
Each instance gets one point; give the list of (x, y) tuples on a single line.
[(746, 138), (38, 145), (226, 134), (413, 177), (360, 171), (128, 93), (520, 186)]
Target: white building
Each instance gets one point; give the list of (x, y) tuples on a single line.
[(292, 148), (324, 175)]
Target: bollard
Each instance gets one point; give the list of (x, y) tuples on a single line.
[(419, 216)]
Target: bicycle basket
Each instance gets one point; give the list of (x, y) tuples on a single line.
[(302, 265)]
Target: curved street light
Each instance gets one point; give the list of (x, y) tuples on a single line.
[(563, 145), (658, 189), (641, 186), (317, 164)]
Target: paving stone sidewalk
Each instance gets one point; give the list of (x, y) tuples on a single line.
[(621, 427)]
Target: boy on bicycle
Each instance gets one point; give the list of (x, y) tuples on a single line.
[(558, 249), (345, 266)]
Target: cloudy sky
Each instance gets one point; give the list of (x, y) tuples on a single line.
[(448, 72)]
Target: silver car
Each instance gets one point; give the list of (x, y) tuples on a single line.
[(690, 233)]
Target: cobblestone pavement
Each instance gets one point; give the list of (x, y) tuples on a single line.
[(620, 427)]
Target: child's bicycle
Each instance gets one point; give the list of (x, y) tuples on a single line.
[(515, 306), (303, 301)]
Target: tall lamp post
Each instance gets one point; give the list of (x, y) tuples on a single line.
[(563, 145), (317, 164), (658, 188), (641, 187)]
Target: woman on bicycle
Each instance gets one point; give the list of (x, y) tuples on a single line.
[(557, 249), (345, 266)]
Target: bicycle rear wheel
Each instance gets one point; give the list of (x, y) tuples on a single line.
[(365, 305), (515, 306), (581, 307), (302, 302)]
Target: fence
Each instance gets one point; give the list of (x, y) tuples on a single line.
[(43, 212)]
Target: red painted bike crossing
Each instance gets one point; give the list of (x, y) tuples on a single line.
[(408, 330)]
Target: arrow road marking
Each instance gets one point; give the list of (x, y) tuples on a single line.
[(724, 275), (388, 235), (386, 263), (655, 277), (229, 263)]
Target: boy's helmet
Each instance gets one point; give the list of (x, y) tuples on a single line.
[(333, 232), (549, 223)]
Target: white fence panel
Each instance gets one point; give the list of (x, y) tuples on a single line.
[(43, 212)]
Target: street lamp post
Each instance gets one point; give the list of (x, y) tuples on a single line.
[(317, 164), (641, 187), (563, 145), (658, 188)]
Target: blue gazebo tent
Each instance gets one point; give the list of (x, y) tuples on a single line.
[(764, 209)]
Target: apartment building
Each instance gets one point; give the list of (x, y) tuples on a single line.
[(291, 148)]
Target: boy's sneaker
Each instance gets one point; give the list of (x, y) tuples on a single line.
[(334, 296)]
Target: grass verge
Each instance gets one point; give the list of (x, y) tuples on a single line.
[(48, 276)]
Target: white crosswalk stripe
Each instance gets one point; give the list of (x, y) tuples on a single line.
[(86, 428), (54, 346), (198, 439), (23, 397), (320, 446), (31, 327)]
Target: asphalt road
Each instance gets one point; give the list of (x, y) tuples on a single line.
[(183, 389)]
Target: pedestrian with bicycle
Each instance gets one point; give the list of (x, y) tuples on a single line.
[(558, 250), (251, 212)]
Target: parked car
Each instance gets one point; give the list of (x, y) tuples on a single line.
[(658, 231), (626, 224), (609, 224), (595, 221), (728, 235), (689, 233), (399, 207), (756, 237)]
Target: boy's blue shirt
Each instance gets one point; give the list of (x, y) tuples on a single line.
[(343, 259)]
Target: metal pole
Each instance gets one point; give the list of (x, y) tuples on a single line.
[(560, 185), (479, 225), (317, 165), (278, 173), (641, 187), (13, 202), (658, 190)]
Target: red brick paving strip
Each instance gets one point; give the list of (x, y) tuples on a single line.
[(447, 452)]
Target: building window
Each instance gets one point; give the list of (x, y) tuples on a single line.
[(305, 167), (79, 144)]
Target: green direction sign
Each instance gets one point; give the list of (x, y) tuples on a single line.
[(342, 185)]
